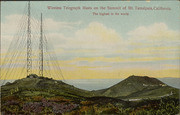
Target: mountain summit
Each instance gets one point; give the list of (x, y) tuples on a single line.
[(137, 86), (38, 85)]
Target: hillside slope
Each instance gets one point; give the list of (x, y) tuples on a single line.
[(137, 87), (42, 85)]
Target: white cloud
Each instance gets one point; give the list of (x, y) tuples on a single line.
[(156, 40), (95, 39), (15, 25), (98, 31), (96, 36), (10, 25), (154, 32)]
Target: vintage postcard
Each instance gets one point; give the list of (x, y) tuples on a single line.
[(90, 57)]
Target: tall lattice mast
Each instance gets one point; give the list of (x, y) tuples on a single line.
[(29, 46), (41, 50)]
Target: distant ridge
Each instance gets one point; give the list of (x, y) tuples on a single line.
[(137, 87)]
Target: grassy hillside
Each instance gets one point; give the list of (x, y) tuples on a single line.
[(40, 85), (138, 87)]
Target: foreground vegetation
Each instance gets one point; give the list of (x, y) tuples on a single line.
[(48, 96), (95, 105)]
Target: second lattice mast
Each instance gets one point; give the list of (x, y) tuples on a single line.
[(41, 49)]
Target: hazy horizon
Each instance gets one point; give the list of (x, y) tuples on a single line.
[(97, 84)]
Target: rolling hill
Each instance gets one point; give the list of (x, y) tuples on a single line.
[(138, 87), (42, 86)]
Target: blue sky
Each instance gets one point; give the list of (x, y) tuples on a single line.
[(143, 40)]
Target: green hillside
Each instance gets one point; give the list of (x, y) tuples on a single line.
[(42, 86), (138, 87)]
